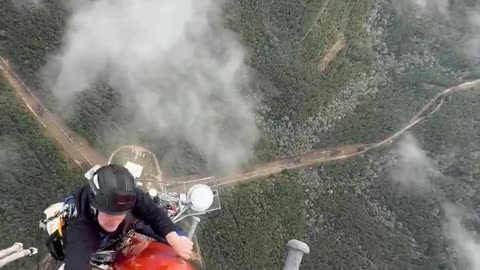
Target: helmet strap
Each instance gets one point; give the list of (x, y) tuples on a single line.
[(92, 178), (94, 183), (94, 211)]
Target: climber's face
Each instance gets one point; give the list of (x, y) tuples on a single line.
[(110, 223)]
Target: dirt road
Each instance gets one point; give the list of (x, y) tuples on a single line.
[(82, 153), (344, 151), (74, 146), (78, 149)]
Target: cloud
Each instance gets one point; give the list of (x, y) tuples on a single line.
[(472, 46), (429, 6), (466, 243), (173, 61), (455, 21), (413, 170), (423, 7)]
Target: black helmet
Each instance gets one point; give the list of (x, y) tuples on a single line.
[(112, 190)]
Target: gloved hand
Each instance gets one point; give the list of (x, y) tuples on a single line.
[(181, 244)]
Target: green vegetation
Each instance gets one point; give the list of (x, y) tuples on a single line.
[(287, 43), (33, 175), (355, 217), (258, 219), (288, 39), (349, 212), (29, 35)]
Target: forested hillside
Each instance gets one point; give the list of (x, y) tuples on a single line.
[(330, 73), (34, 174)]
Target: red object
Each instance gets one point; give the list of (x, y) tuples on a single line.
[(149, 255)]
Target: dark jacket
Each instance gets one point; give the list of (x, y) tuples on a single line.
[(84, 234)]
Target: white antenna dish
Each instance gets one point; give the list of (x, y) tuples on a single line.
[(153, 192), (201, 197)]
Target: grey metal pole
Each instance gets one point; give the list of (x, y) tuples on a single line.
[(17, 255), (296, 249), (193, 227), (14, 248)]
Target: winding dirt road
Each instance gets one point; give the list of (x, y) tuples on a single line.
[(81, 152), (345, 151), (77, 148)]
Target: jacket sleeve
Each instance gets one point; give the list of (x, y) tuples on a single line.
[(146, 210), (82, 240)]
